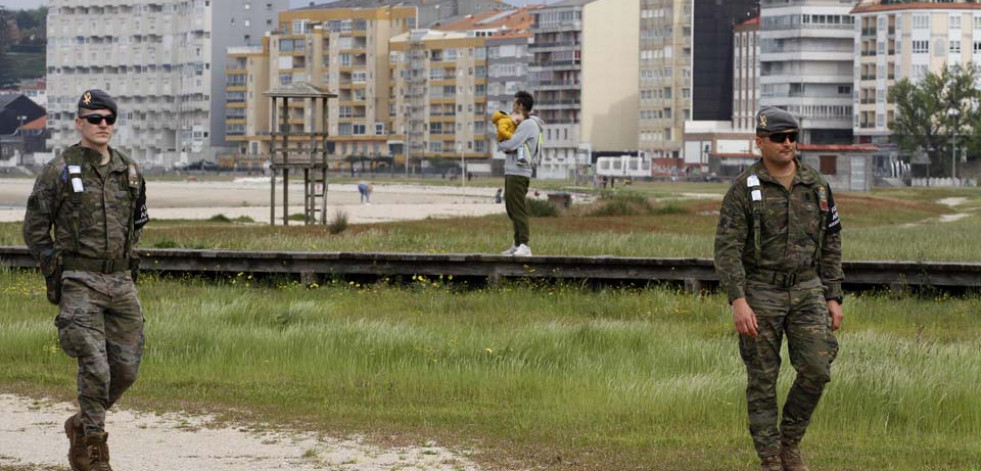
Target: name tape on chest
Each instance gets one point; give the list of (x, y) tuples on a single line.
[(75, 173)]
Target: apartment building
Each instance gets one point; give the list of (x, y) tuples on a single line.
[(345, 47), (585, 78), (894, 41), (162, 60), (440, 94), (710, 128), (665, 78), (444, 80), (806, 62), (745, 74)]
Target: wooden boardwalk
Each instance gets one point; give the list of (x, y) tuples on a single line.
[(694, 273)]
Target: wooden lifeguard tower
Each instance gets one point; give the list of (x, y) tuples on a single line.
[(304, 150)]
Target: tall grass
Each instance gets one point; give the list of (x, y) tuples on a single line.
[(608, 379)]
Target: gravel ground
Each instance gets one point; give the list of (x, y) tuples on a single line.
[(32, 438)]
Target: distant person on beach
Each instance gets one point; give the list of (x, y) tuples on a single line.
[(365, 190)]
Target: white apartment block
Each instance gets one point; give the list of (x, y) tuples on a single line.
[(807, 59), (162, 60), (897, 41)]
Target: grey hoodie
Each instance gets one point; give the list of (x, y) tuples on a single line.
[(515, 161)]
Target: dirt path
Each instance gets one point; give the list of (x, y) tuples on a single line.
[(32, 437)]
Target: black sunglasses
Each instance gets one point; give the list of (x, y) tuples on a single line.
[(777, 137), (95, 119)]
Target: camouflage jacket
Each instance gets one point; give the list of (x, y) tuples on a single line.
[(98, 217), (790, 225)]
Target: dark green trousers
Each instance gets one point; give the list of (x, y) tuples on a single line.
[(515, 191)]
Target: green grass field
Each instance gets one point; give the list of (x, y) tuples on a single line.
[(890, 224), (553, 377), (538, 376)]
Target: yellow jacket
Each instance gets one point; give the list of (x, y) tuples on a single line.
[(505, 125)]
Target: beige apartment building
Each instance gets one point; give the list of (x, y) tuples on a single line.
[(746, 74), (665, 76), (345, 47), (896, 41), (439, 94), (584, 76)]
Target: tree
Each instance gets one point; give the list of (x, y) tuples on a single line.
[(933, 113)]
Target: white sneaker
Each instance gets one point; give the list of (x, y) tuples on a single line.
[(510, 251), (522, 251)]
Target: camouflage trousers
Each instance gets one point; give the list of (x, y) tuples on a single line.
[(100, 323), (800, 312)]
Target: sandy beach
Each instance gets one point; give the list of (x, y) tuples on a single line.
[(250, 197)]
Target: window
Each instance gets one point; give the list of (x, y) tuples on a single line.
[(358, 129), (955, 21), (921, 47), (955, 46), (829, 164), (379, 129), (921, 21)]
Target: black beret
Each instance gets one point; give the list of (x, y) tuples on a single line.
[(97, 100), (772, 119)]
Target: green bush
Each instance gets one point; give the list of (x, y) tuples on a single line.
[(623, 203), (297, 217), (219, 218), (339, 223), (671, 208), (541, 208), (166, 244)]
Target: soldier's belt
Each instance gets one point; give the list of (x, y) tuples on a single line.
[(782, 279), (97, 265)]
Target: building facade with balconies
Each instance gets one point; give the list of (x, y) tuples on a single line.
[(344, 46), (894, 41), (806, 65), (584, 74), (162, 60), (665, 79)]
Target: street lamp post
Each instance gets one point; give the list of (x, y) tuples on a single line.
[(20, 133), (954, 113), (463, 167)]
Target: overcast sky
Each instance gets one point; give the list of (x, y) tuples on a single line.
[(21, 4)]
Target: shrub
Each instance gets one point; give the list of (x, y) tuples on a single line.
[(671, 208), (540, 208), (339, 223), (622, 204), (219, 218)]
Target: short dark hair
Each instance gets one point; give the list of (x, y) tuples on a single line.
[(525, 100)]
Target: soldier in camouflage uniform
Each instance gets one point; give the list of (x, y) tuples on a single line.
[(778, 257), (94, 198)]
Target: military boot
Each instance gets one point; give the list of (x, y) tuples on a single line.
[(78, 455), (790, 455), (98, 449), (771, 463)]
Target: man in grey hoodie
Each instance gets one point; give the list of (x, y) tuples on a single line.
[(521, 152)]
